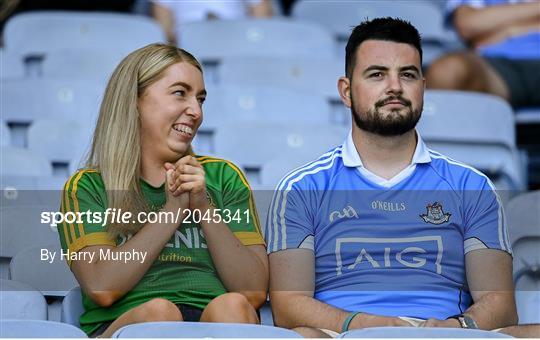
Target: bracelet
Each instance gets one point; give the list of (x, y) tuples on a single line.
[(347, 321)]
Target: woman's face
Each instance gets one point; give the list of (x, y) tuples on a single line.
[(171, 112)]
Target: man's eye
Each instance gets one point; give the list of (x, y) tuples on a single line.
[(409, 75), (375, 75)]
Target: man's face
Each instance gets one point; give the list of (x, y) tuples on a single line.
[(387, 87)]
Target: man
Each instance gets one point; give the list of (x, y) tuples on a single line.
[(382, 231), (505, 61)]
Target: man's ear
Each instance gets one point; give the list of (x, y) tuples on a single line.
[(344, 89)]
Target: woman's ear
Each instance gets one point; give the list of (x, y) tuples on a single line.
[(344, 89)]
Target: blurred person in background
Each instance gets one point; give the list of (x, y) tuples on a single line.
[(172, 14), (141, 161), (504, 56)]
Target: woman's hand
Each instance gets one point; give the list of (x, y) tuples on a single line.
[(188, 176), (174, 202)]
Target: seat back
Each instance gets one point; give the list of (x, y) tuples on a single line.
[(72, 307), (43, 268), (21, 301), (38, 329), (420, 332), (201, 330)]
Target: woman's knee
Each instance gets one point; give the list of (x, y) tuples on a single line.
[(158, 310), (230, 307)]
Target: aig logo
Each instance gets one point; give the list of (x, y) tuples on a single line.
[(348, 212), (410, 252)]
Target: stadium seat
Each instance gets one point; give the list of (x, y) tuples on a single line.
[(251, 145), (260, 104), (420, 333), (201, 330), (425, 16), (476, 129), (11, 65), (23, 162), (27, 99), (317, 76), (5, 135), (21, 301), (38, 329), (96, 64), (34, 34), (523, 217), (529, 115), (63, 142), (72, 307), (52, 277), (21, 227), (279, 37)]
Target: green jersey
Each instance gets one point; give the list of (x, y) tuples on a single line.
[(184, 272)]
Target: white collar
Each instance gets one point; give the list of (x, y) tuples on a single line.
[(351, 158)]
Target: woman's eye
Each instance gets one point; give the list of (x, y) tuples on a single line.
[(179, 93), (201, 100)]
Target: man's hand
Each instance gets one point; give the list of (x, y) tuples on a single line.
[(448, 323), (364, 320)]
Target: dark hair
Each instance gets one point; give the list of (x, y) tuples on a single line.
[(388, 29)]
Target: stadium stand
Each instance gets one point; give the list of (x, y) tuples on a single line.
[(424, 15), (72, 307), (38, 329), (21, 227), (201, 330), (51, 276), (21, 301), (420, 333), (32, 35), (23, 162), (62, 142), (5, 138), (304, 142), (478, 130), (317, 76), (524, 220)]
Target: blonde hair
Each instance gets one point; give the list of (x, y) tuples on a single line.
[(115, 150)]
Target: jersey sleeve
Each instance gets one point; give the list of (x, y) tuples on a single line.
[(239, 206), (485, 223), (83, 207), (290, 219)]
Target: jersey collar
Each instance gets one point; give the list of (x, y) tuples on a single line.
[(351, 158)]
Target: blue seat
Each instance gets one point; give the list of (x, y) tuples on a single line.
[(278, 37), (12, 65), (21, 301), (51, 276), (63, 142), (202, 330), (5, 138), (72, 307), (529, 115), (425, 16), (34, 34), (420, 332), (476, 129), (316, 76), (523, 217), (23, 162), (38, 329)]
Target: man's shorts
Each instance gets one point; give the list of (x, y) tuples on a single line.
[(522, 78), (188, 314)]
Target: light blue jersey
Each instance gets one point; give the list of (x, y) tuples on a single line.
[(388, 247)]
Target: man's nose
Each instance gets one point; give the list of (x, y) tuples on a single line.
[(394, 84)]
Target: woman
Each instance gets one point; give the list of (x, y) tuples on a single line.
[(137, 268)]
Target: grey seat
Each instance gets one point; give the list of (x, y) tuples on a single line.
[(21, 301), (420, 332), (38, 329)]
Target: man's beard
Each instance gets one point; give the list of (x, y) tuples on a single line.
[(393, 124)]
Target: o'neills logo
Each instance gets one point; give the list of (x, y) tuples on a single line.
[(435, 214)]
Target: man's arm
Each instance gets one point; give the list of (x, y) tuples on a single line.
[(292, 283), (489, 276), (476, 25)]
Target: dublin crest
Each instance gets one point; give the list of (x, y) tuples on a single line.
[(435, 214)]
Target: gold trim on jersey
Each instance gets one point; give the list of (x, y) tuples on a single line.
[(253, 210), (249, 238), (93, 239)]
